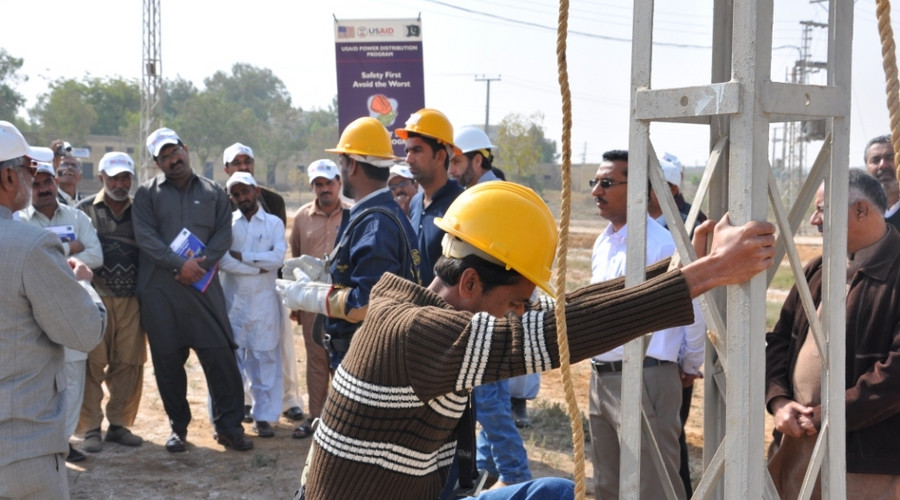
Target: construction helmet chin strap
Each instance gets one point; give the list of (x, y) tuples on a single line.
[(457, 248)]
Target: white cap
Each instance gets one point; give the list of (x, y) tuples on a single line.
[(470, 139), (401, 171), (231, 152), (160, 138), (45, 168), (672, 169), (13, 145), (114, 163), (240, 178), (322, 168)]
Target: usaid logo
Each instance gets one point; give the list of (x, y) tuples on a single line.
[(364, 32)]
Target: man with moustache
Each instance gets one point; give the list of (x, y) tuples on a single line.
[(402, 186), (68, 173), (879, 158), (43, 309), (669, 352), (119, 360), (374, 239), (176, 316), (240, 158), (314, 233), (79, 239), (429, 147), (248, 278)]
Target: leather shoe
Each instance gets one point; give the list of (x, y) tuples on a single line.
[(263, 429), (74, 455), (238, 441), (176, 443), (248, 418), (294, 413)]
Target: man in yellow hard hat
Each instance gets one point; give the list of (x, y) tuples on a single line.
[(391, 424), (374, 240), (429, 147)]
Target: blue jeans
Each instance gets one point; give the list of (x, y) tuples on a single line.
[(499, 447), (545, 488)]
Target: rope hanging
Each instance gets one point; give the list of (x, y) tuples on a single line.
[(889, 58), (562, 251)]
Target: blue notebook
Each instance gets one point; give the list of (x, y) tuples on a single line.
[(187, 245)]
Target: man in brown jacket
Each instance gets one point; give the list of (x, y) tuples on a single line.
[(793, 363)]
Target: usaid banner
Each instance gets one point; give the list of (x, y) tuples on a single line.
[(379, 72)]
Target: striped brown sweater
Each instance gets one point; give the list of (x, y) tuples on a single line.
[(387, 425)]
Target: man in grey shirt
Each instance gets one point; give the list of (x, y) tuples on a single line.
[(43, 308), (176, 315)]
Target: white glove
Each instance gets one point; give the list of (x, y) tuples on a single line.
[(311, 296), (309, 266)]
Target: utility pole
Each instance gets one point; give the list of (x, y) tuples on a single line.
[(487, 106), (151, 83)]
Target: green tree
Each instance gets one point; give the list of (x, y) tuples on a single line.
[(520, 143), (117, 103), (10, 100), (208, 124), (64, 112)]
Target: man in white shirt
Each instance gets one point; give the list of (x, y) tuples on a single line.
[(669, 351), (79, 239), (249, 270)]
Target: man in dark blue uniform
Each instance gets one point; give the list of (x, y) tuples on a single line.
[(375, 237), (429, 147)]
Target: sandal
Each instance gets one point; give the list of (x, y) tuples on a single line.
[(303, 431)]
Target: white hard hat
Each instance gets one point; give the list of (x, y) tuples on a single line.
[(470, 139)]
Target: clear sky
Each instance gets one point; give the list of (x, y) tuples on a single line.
[(514, 40)]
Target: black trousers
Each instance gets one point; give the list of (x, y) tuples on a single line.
[(223, 380)]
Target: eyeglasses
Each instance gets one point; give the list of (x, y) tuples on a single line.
[(238, 163), (29, 165), (605, 183), (67, 165), (875, 160), (176, 150), (400, 185)]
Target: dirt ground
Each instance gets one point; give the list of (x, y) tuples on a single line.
[(272, 469)]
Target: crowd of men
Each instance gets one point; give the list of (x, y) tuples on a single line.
[(415, 286)]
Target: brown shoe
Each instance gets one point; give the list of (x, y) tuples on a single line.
[(263, 429), (124, 436), (238, 441)]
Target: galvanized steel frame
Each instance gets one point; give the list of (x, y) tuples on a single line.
[(738, 106)]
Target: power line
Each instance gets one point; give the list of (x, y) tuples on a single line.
[(553, 29)]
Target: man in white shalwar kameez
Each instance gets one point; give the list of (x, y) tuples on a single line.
[(248, 273)]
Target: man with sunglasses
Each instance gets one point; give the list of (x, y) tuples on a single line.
[(45, 308), (240, 158), (669, 350)]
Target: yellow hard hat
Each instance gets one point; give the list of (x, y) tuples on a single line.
[(365, 136), (510, 223), (430, 123)]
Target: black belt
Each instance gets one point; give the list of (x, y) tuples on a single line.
[(616, 366)]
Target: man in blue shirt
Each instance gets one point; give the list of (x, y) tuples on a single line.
[(375, 237), (429, 147)]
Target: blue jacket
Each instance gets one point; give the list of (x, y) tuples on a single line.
[(373, 246), (429, 235)]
